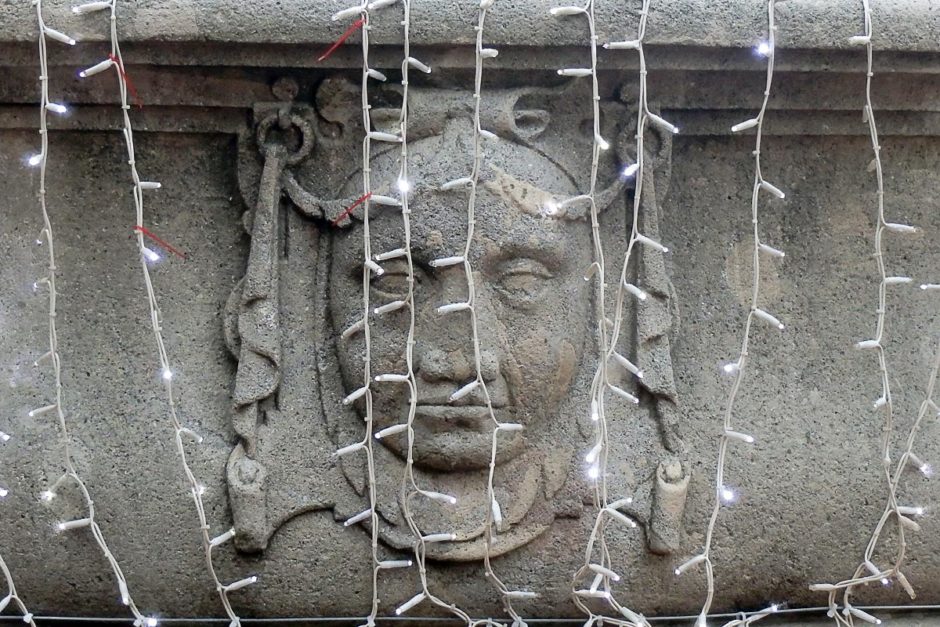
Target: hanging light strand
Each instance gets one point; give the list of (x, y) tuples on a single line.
[(478, 384), (70, 471), (598, 570), (730, 436), (868, 571), (372, 268), (197, 490)]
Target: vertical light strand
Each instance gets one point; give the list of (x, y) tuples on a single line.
[(370, 267), (11, 595), (116, 60), (471, 184), (600, 570), (70, 471), (409, 484), (902, 514), (730, 436), (365, 391)]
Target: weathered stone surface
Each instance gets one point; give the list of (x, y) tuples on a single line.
[(811, 24), (257, 162)]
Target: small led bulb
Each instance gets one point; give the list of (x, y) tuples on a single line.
[(763, 48), (167, 374), (728, 495)]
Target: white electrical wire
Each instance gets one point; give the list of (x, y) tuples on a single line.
[(70, 473), (116, 60), (903, 515), (600, 570), (370, 268), (723, 493)]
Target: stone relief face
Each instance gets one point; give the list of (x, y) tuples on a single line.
[(532, 310)]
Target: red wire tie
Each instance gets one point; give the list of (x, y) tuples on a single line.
[(127, 80), (159, 241), (349, 31), (361, 200)]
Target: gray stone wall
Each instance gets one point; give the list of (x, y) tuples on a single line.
[(811, 488)]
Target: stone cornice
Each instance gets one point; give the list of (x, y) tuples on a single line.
[(900, 25)]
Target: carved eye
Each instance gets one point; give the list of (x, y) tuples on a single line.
[(522, 280), (393, 283)]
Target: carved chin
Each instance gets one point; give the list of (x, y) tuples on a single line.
[(525, 513), (468, 550)]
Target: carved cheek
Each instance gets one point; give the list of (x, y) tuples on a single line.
[(566, 359), (547, 371)]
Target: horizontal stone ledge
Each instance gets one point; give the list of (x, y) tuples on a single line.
[(226, 87), (900, 25), (175, 119)]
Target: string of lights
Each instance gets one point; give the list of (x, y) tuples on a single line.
[(13, 597), (868, 571), (364, 325), (478, 384), (116, 60), (372, 268), (70, 473), (730, 436), (600, 570)]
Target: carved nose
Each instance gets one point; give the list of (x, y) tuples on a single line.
[(436, 365)]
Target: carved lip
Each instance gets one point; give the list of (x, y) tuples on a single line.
[(467, 416)]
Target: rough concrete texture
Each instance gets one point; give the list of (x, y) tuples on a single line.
[(252, 319), (815, 24)]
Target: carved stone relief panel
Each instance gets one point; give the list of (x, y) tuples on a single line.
[(300, 173)]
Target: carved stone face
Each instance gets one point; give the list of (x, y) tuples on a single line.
[(532, 309)]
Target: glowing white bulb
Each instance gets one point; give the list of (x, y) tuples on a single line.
[(58, 36), (728, 495), (151, 255), (88, 8), (885, 581), (630, 170), (97, 68), (926, 470), (4, 437), (732, 367), (167, 374), (200, 489), (151, 622), (57, 108), (763, 48), (3, 492), (551, 208), (404, 186), (47, 495), (593, 454), (594, 472), (774, 608), (34, 160)]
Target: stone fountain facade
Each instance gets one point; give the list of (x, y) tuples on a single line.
[(258, 148)]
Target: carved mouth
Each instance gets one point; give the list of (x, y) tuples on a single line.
[(446, 417)]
